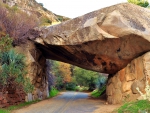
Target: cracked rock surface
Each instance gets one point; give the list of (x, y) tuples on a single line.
[(105, 40)]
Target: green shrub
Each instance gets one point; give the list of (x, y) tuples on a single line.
[(140, 106), (53, 92), (70, 86), (28, 87), (97, 93), (5, 43), (142, 3), (12, 67), (82, 88), (45, 21)]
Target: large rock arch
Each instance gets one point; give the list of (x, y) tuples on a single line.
[(105, 40)]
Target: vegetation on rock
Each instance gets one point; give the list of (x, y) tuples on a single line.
[(142, 3), (12, 69), (140, 106), (16, 23)]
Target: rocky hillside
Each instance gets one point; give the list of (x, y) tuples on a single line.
[(32, 7)]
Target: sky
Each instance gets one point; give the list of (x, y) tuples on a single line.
[(75, 8)]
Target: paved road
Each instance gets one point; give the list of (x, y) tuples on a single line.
[(67, 102)]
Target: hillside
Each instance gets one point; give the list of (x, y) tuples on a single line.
[(32, 7)]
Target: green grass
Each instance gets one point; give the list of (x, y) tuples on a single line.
[(14, 107), (97, 93), (53, 92), (140, 106), (21, 105), (4, 111)]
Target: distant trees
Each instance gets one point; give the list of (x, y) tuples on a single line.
[(143, 3), (68, 77), (85, 78)]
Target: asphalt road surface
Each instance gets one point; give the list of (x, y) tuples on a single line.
[(66, 102)]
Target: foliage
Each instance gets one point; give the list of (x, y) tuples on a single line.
[(142, 3), (65, 70), (98, 92), (140, 106), (14, 107), (45, 21), (100, 81), (28, 87), (68, 77), (6, 40), (70, 86), (85, 78), (12, 69), (62, 72), (53, 92), (4, 111), (82, 88)]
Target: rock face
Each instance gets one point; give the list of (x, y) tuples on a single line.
[(34, 8), (11, 96), (105, 40), (122, 86), (36, 68)]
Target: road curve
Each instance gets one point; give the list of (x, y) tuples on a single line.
[(67, 102)]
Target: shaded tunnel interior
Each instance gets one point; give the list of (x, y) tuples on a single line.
[(106, 56)]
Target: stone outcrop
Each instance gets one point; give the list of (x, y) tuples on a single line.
[(105, 40), (36, 64), (31, 7), (122, 86)]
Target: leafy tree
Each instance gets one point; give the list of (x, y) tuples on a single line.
[(85, 78), (142, 3), (62, 72), (57, 75), (65, 70), (101, 81)]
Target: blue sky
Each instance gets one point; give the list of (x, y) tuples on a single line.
[(75, 8)]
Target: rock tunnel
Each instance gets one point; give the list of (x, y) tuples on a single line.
[(106, 41)]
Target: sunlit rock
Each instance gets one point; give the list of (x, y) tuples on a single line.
[(105, 40)]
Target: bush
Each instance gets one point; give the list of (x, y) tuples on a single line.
[(70, 86), (142, 3), (97, 93), (12, 69), (82, 88), (53, 92), (45, 21)]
